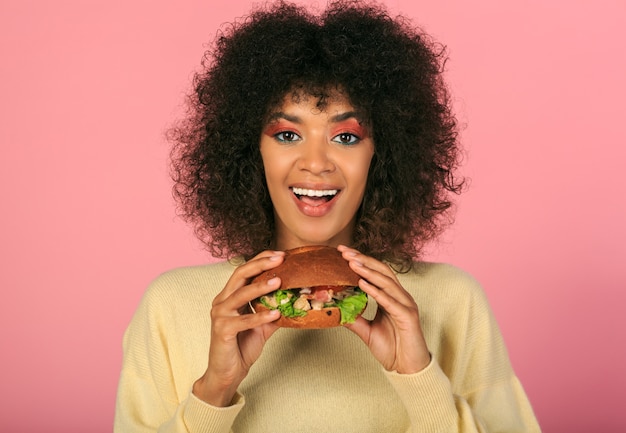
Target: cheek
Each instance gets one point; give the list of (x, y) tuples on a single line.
[(275, 169), (267, 167), (356, 173), (361, 166), (268, 158), (263, 150)]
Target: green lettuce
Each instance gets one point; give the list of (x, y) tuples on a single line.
[(349, 307), (352, 306), (285, 308)]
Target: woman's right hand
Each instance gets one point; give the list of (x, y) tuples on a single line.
[(238, 335)]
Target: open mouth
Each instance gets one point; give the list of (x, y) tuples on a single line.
[(314, 197)]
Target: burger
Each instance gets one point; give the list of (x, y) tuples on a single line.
[(318, 289)]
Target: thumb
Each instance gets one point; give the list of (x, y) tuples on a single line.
[(360, 327)]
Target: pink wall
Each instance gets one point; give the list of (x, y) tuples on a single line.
[(87, 218)]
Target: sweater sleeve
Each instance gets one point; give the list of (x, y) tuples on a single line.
[(148, 399), (469, 385), (433, 406)]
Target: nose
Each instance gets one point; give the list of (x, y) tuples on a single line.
[(316, 156)]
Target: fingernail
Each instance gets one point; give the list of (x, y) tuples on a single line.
[(276, 256), (272, 281)]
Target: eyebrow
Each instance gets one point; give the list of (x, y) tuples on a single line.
[(335, 119)]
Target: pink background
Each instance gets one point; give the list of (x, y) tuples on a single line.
[(87, 89)]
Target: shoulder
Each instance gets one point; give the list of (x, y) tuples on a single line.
[(440, 276), (443, 285), (189, 284), (194, 275)]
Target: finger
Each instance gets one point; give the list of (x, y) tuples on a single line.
[(248, 293), (242, 275), (374, 271), (378, 282), (254, 320), (397, 303), (355, 256), (361, 327), (230, 326), (377, 274), (238, 300)]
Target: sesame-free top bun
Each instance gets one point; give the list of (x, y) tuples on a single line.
[(311, 266)]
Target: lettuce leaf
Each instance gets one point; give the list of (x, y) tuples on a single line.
[(352, 306), (349, 307), (285, 307)]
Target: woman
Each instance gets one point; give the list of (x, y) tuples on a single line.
[(333, 130)]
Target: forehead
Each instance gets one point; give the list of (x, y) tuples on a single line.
[(331, 102)]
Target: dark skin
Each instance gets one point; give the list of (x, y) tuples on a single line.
[(312, 156), (394, 337), (237, 337)]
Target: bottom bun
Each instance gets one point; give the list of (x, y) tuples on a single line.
[(314, 319)]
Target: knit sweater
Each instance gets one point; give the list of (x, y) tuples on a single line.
[(321, 380)]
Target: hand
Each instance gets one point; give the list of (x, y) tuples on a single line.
[(237, 336), (395, 336)]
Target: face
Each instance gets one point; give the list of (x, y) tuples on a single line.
[(316, 163)]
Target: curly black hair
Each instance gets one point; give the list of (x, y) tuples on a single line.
[(389, 69)]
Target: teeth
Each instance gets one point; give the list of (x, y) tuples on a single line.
[(314, 192)]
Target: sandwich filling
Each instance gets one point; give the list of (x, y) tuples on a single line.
[(351, 301)]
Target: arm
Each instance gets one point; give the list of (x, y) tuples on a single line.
[(468, 385), (155, 392), (147, 398), (433, 404), (237, 338)]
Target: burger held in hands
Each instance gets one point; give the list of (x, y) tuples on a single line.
[(318, 289)]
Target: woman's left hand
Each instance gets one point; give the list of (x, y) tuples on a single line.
[(395, 336)]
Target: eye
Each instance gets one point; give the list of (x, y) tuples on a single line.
[(346, 138), (286, 136)]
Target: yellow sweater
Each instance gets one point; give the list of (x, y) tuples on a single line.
[(321, 380)]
